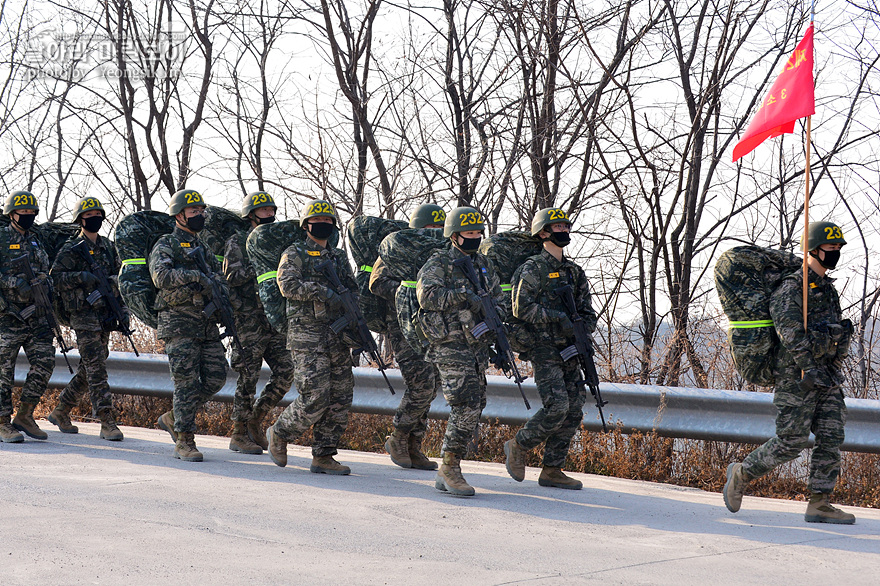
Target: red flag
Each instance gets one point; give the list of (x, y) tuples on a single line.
[(790, 98)]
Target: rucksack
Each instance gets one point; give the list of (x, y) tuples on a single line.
[(364, 234), (52, 235), (135, 236), (507, 251), (404, 253), (220, 225), (745, 277)]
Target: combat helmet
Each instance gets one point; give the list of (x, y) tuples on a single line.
[(20, 200), (87, 204), (256, 200), (315, 209), (549, 216), (184, 198), (819, 233), (427, 214), (462, 219)]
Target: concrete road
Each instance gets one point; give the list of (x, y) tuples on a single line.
[(79, 510)]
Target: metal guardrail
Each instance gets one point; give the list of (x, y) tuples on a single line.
[(706, 414)]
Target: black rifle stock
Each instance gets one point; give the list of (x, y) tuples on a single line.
[(504, 357), (219, 302), (105, 290), (582, 348), (352, 316), (42, 303)]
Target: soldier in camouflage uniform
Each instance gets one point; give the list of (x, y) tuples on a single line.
[(808, 394), (92, 322), (30, 331), (322, 360), (259, 340), (548, 330), (192, 340), (449, 303), (410, 422)]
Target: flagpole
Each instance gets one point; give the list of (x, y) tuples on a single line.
[(807, 220)]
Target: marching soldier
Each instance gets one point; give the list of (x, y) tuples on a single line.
[(548, 330), (449, 302), (322, 360), (259, 339), (192, 340), (92, 322), (20, 325)]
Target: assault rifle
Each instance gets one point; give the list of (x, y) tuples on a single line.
[(504, 358), (219, 302), (582, 348), (353, 316), (42, 304), (106, 291)]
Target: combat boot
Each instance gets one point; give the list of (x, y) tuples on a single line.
[(60, 416), (166, 423), (327, 465), (419, 460), (109, 430), (8, 434), (277, 447), (819, 510), (553, 476), (449, 478), (516, 459), (255, 427), (398, 448), (186, 449), (24, 421), (240, 442), (733, 488)]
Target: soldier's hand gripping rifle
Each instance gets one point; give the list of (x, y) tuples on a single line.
[(352, 317), (504, 357), (219, 302), (42, 304), (582, 348), (105, 290)]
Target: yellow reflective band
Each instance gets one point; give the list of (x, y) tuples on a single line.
[(135, 261), (267, 276), (410, 284), (366, 268), (761, 323), (219, 258), (507, 287)]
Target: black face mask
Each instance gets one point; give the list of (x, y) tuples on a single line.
[(25, 221), (321, 230), (470, 245), (560, 239), (93, 224), (268, 220), (831, 258), (196, 223)]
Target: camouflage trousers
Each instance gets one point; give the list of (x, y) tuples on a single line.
[(91, 373), (463, 382), (325, 383), (422, 381), (198, 369), (821, 411), (562, 412), (40, 353), (260, 344)]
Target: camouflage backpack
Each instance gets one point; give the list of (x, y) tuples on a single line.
[(220, 224), (507, 251), (745, 277), (135, 236), (364, 233), (404, 253)]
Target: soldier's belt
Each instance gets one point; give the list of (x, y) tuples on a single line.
[(761, 323)]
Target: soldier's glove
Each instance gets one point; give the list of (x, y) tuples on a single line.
[(564, 322), (126, 318), (332, 299), (475, 304), (816, 377), (821, 340), (89, 280), (23, 286)]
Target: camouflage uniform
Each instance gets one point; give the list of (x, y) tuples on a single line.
[(92, 323), (820, 410), (33, 333), (259, 340), (461, 359), (535, 304), (322, 361), (192, 340), (421, 377)]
